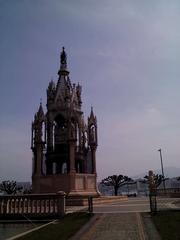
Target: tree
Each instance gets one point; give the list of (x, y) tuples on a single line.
[(178, 178), (27, 191), (158, 179), (116, 181), (10, 187)]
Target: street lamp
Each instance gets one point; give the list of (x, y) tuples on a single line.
[(162, 169)]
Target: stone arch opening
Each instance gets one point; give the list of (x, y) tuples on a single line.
[(64, 168), (92, 133), (60, 133)]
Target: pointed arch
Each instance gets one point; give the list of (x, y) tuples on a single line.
[(64, 168), (54, 168)]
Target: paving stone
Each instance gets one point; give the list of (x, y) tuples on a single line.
[(118, 226)]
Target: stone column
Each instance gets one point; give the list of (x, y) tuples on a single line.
[(72, 156), (50, 136), (61, 203), (39, 159), (49, 131), (93, 152)]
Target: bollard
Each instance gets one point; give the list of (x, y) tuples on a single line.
[(90, 204), (152, 193), (153, 203), (61, 203)]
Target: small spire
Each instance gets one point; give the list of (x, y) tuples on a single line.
[(51, 84), (92, 118), (40, 113), (92, 113)]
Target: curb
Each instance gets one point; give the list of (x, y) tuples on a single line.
[(142, 233), (149, 227)]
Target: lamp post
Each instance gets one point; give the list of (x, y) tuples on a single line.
[(162, 169)]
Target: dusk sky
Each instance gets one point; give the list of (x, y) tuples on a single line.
[(126, 56)]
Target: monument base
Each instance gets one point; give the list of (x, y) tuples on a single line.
[(73, 184)]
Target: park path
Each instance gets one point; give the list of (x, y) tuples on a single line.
[(116, 226)]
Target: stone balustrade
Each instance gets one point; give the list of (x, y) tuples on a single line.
[(35, 205)]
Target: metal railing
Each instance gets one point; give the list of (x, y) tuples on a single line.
[(160, 199), (168, 191)]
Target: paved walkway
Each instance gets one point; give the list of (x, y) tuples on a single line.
[(119, 226)]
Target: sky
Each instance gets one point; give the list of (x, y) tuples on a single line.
[(126, 56)]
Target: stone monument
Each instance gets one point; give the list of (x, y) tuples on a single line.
[(63, 145)]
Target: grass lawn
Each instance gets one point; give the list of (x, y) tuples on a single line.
[(63, 229), (168, 224)]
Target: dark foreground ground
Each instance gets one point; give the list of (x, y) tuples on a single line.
[(168, 224), (62, 229)]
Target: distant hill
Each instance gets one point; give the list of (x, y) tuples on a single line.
[(169, 172)]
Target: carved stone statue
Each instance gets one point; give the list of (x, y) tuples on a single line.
[(63, 57)]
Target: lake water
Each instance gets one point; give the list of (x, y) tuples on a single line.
[(8, 230)]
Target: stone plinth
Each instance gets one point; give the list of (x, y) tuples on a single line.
[(72, 184)]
